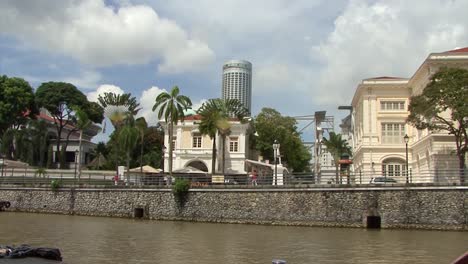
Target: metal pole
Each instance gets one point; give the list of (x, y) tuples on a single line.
[(76, 154), (407, 175), (276, 172)]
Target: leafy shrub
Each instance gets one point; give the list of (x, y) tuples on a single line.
[(180, 190), (40, 172), (55, 185)]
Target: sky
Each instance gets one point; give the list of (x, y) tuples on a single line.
[(307, 55)]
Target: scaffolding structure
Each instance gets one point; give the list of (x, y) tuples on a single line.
[(322, 123)]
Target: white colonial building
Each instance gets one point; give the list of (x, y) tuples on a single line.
[(380, 110), (191, 149)]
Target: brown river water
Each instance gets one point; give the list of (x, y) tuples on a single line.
[(83, 239)]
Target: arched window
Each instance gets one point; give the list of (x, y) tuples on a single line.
[(393, 167)]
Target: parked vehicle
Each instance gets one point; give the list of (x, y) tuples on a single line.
[(382, 180)]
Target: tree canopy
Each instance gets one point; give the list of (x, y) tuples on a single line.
[(443, 106), (271, 125), (59, 99), (215, 114), (337, 148), (16, 102), (171, 106)]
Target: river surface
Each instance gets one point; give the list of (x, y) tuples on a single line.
[(83, 239)]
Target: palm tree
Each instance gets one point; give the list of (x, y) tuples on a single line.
[(208, 126), (40, 133), (82, 122), (142, 126), (215, 115), (171, 105), (116, 107), (128, 137), (337, 148)]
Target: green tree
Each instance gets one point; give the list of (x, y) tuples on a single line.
[(100, 153), (142, 126), (116, 107), (128, 136), (337, 148), (215, 115), (443, 106), (82, 123), (40, 137), (58, 98), (171, 106), (16, 103), (271, 125), (152, 147)]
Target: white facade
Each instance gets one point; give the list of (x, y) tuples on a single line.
[(380, 110), (87, 146), (237, 82), (191, 149)]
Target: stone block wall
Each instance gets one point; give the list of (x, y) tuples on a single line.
[(399, 207)]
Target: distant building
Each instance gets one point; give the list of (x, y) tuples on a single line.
[(191, 149), (378, 124), (71, 158), (237, 82)]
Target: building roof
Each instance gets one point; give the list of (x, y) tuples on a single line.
[(465, 49), (192, 117), (386, 78)]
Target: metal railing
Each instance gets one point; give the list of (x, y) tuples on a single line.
[(91, 179)]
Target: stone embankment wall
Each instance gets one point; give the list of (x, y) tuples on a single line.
[(399, 207)]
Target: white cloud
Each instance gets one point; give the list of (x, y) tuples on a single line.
[(96, 34), (147, 101), (86, 80), (196, 105), (385, 38), (105, 88)]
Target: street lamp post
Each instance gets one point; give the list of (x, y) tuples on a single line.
[(276, 146), (2, 160), (162, 160), (406, 139), (76, 160)]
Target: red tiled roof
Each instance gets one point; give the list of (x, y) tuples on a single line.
[(458, 50), (193, 117), (386, 78)]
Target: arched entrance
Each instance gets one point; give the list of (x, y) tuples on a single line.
[(198, 164)]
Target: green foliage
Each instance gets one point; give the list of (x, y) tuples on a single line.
[(215, 115), (128, 138), (126, 100), (39, 131), (171, 106), (443, 106), (49, 157), (16, 102), (59, 99), (55, 185), (142, 126), (40, 172), (181, 186), (180, 189), (270, 125), (337, 148)]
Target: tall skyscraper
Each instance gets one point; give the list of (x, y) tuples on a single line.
[(237, 82)]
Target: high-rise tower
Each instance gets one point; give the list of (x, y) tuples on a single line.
[(237, 82)]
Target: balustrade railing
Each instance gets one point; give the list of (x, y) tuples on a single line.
[(91, 179)]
